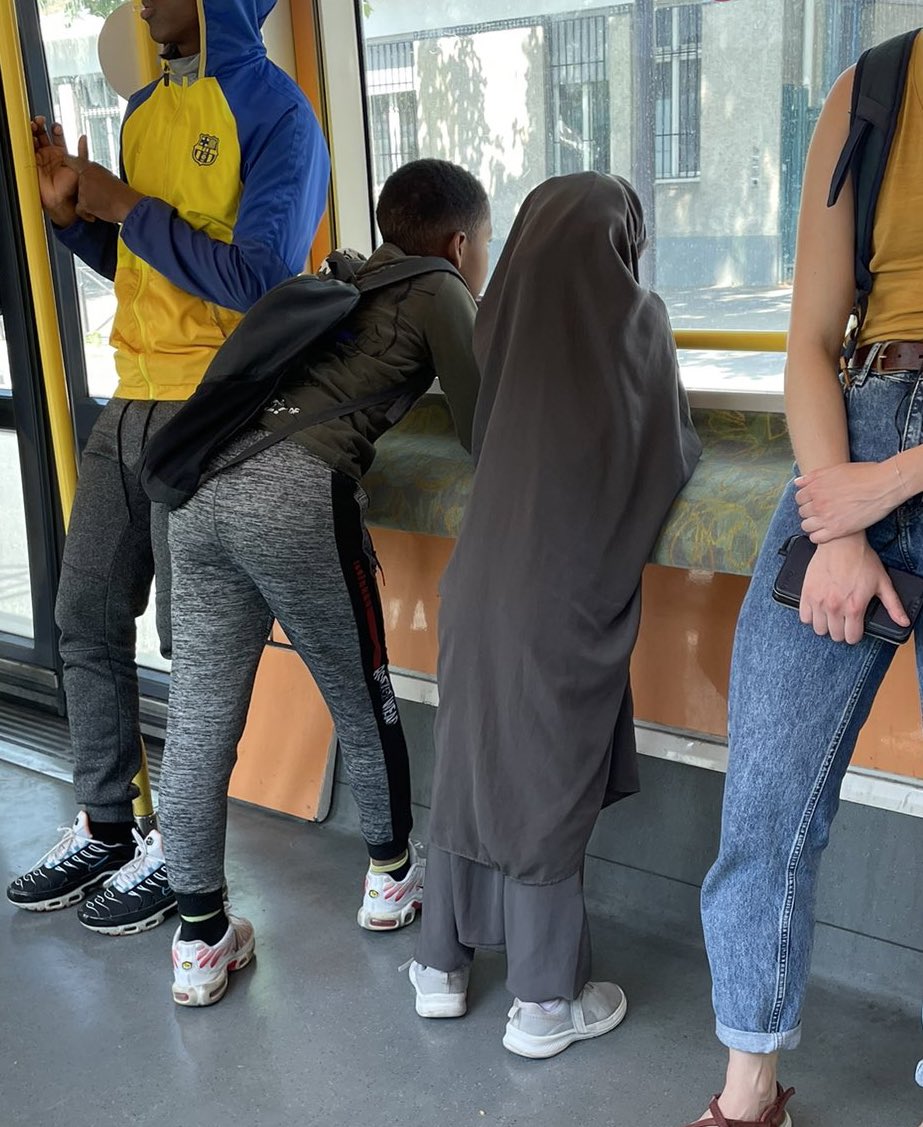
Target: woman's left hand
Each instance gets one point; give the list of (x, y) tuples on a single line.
[(848, 498)]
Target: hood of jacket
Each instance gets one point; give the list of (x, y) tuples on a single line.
[(230, 34)]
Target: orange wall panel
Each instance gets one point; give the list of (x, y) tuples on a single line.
[(284, 759), (310, 78), (682, 660), (679, 675), (412, 566)]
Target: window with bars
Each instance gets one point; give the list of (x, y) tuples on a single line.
[(91, 100), (677, 91), (392, 107), (579, 134)]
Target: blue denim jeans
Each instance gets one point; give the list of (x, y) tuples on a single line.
[(797, 703)]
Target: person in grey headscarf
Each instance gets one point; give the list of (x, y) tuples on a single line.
[(582, 440)]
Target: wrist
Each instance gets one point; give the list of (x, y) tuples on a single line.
[(128, 201), (852, 542), (906, 474)]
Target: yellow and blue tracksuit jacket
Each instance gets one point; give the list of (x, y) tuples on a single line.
[(234, 170)]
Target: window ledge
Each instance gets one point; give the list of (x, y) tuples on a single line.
[(421, 481), (715, 399)]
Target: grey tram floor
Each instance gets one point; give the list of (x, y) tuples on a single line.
[(321, 1029)]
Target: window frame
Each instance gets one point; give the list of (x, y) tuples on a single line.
[(29, 666), (590, 76), (390, 94), (673, 57)]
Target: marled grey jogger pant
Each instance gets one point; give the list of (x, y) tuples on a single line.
[(115, 541), (282, 536)]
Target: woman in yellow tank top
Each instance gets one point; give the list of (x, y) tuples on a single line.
[(802, 684)]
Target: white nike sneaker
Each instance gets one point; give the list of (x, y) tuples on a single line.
[(389, 904), (200, 972), (440, 993), (535, 1032)]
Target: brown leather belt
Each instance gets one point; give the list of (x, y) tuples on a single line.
[(895, 356)]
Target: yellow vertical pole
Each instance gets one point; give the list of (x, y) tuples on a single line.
[(49, 339), (16, 100), (143, 806)]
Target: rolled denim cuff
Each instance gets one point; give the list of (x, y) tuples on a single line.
[(746, 1042)]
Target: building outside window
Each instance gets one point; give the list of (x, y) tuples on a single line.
[(93, 106), (392, 102), (580, 132), (677, 91), (707, 107)]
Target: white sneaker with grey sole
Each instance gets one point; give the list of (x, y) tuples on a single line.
[(536, 1032), (440, 993)]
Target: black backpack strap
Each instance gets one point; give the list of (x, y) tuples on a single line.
[(402, 271), (402, 394), (343, 266), (877, 96), (398, 394)]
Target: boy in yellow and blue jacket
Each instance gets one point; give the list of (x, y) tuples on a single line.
[(224, 182)]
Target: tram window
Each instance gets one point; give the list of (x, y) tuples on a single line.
[(15, 584), (5, 381), (84, 103), (712, 129)]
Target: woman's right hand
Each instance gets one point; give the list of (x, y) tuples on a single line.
[(842, 579), (57, 180)]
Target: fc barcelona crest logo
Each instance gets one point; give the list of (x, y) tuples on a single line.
[(205, 150)]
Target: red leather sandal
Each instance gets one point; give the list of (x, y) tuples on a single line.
[(774, 1116)]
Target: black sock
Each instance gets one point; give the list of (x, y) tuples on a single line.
[(112, 833), (193, 906), (399, 872), (402, 872)]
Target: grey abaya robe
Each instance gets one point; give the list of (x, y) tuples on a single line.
[(582, 439)]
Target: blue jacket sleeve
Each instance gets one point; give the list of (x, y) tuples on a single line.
[(96, 243), (283, 200)]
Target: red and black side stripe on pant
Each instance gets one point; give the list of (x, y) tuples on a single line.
[(359, 575)]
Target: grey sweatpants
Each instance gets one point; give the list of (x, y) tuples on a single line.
[(115, 542), (280, 536)]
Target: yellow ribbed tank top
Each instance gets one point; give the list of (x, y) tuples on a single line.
[(895, 309)]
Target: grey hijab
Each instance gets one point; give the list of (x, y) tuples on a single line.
[(582, 438)]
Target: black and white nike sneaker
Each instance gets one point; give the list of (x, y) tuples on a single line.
[(137, 898), (68, 871)]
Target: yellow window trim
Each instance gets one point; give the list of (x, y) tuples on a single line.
[(34, 235), (716, 340)]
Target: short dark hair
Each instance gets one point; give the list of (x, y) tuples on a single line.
[(426, 201)]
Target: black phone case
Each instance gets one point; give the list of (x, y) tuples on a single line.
[(798, 552)]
